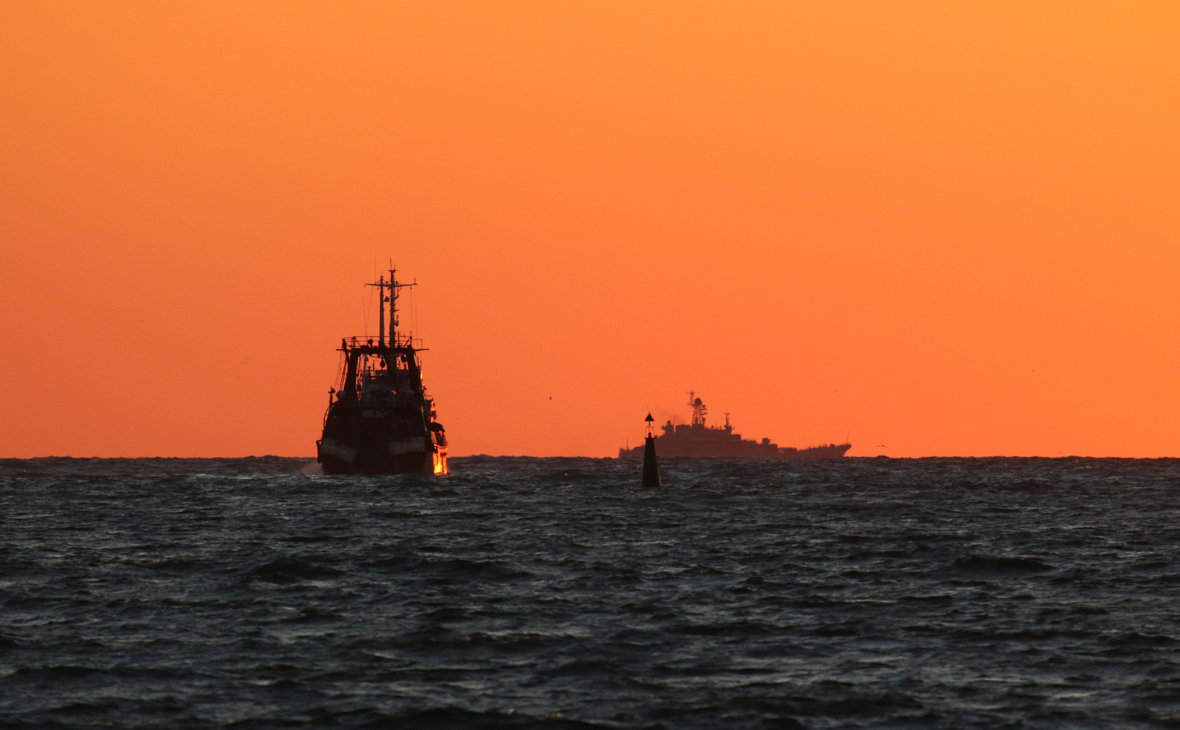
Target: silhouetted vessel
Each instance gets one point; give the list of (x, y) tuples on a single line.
[(698, 440), (379, 419)]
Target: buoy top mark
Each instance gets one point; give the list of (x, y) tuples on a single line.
[(649, 419)]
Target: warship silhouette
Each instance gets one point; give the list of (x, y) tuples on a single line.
[(379, 418), (698, 440)]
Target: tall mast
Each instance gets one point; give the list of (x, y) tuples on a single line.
[(393, 295), (381, 310)]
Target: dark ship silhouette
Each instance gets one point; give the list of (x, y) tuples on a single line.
[(698, 440), (379, 419)]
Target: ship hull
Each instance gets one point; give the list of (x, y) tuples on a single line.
[(386, 459), (740, 450)]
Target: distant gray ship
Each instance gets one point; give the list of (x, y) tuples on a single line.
[(698, 440)]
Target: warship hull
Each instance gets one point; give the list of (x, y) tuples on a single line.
[(707, 450)]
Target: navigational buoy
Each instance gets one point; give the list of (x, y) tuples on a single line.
[(651, 470)]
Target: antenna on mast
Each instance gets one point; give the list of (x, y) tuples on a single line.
[(393, 296)]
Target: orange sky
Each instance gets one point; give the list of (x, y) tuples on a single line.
[(936, 228)]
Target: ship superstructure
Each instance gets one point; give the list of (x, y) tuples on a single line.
[(380, 419), (696, 439)]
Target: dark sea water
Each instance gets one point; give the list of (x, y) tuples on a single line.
[(554, 593)]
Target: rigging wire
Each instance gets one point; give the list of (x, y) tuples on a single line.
[(413, 314), (366, 304)]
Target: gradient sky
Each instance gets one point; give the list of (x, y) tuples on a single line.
[(934, 228)]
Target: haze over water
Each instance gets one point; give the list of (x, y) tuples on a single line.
[(555, 593)]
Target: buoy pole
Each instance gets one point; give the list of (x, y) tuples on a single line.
[(651, 470)]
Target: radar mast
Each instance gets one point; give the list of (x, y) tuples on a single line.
[(699, 411), (393, 286)]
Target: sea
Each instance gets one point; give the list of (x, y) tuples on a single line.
[(557, 593)]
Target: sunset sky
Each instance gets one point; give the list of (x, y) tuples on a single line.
[(933, 228)]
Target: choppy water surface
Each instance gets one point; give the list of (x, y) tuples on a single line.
[(946, 593)]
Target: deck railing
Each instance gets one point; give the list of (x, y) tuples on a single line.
[(400, 341)]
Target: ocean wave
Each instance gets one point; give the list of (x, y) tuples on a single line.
[(556, 593)]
